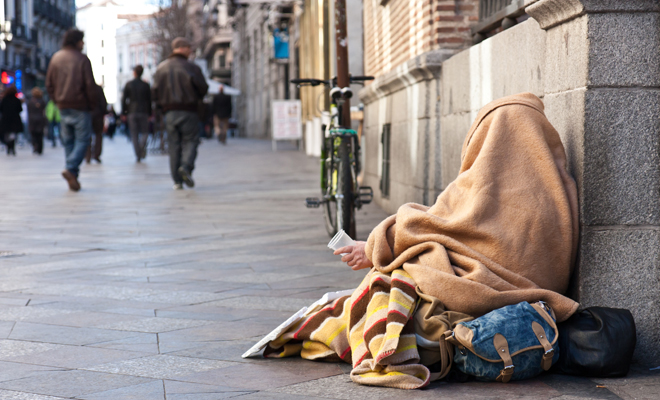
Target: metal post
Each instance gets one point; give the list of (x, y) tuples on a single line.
[(343, 79)]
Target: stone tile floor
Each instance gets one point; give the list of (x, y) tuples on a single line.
[(130, 290)]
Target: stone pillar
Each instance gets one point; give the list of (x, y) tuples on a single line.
[(602, 94)]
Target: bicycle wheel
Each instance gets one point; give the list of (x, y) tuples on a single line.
[(345, 194), (329, 180)]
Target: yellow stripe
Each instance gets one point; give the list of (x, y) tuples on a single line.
[(401, 304), (334, 335), (380, 374), (374, 311), (401, 350)]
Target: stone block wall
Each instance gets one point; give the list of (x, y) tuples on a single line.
[(406, 99)]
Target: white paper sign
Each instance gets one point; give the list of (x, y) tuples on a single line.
[(302, 313), (286, 119)]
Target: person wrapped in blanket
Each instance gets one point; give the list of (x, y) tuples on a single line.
[(504, 231)]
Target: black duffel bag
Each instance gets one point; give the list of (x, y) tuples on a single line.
[(596, 342)]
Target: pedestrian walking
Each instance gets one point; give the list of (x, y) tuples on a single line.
[(178, 87), (53, 117), (136, 105), (112, 122), (70, 83), (221, 114), (37, 120), (11, 124), (98, 114)]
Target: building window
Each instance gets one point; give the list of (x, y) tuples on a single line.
[(222, 61), (386, 140), (120, 62), (102, 44), (102, 60), (132, 58)]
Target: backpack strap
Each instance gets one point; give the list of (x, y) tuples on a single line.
[(502, 347), (546, 362)]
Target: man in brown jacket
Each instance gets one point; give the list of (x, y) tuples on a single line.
[(178, 86), (70, 84)]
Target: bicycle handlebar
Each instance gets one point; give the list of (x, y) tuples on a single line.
[(361, 78), (331, 82), (312, 82)]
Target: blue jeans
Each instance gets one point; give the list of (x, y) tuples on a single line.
[(76, 131), (53, 131)]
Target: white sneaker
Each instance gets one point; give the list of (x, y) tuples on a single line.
[(178, 186)]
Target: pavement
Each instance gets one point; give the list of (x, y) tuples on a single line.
[(131, 290)]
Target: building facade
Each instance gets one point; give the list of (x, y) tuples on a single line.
[(36, 28), (262, 76), (100, 21), (217, 51)]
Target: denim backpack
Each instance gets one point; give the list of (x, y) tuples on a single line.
[(513, 342)]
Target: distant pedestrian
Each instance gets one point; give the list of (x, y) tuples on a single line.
[(53, 117), (37, 119), (98, 114), (70, 83), (11, 124), (136, 105), (178, 87), (221, 114), (112, 122)]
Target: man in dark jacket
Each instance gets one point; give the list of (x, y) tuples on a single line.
[(221, 114), (136, 104), (70, 83), (98, 114), (178, 87)]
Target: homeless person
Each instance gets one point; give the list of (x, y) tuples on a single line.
[(503, 232)]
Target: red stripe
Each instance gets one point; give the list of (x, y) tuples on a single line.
[(360, 360), (383, 355), (399, 280), (360, 298), (330, 307), (398, 312), (374, 324), (380, 279), (345, 352)]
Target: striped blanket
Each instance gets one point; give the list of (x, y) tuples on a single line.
[(372, 329)]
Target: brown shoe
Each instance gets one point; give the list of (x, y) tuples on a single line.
[(71, 180)]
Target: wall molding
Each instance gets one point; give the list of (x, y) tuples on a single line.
[(424, 67)]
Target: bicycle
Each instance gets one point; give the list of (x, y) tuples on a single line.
[(340, 163)]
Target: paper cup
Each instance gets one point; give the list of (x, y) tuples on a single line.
[(341, 239)]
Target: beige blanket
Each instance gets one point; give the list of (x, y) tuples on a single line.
[(504, 231)]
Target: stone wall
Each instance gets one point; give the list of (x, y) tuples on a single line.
[(508, 63), (596, 65)]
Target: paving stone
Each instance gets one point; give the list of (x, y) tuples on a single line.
[(28, 313), (70, 383), (64, 334), (10, 349), (154, 390), (195, 391), (263, 303), (76, 356), (10, 371), (12, 395), (161, 366), (154, 325), (266, 375)]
